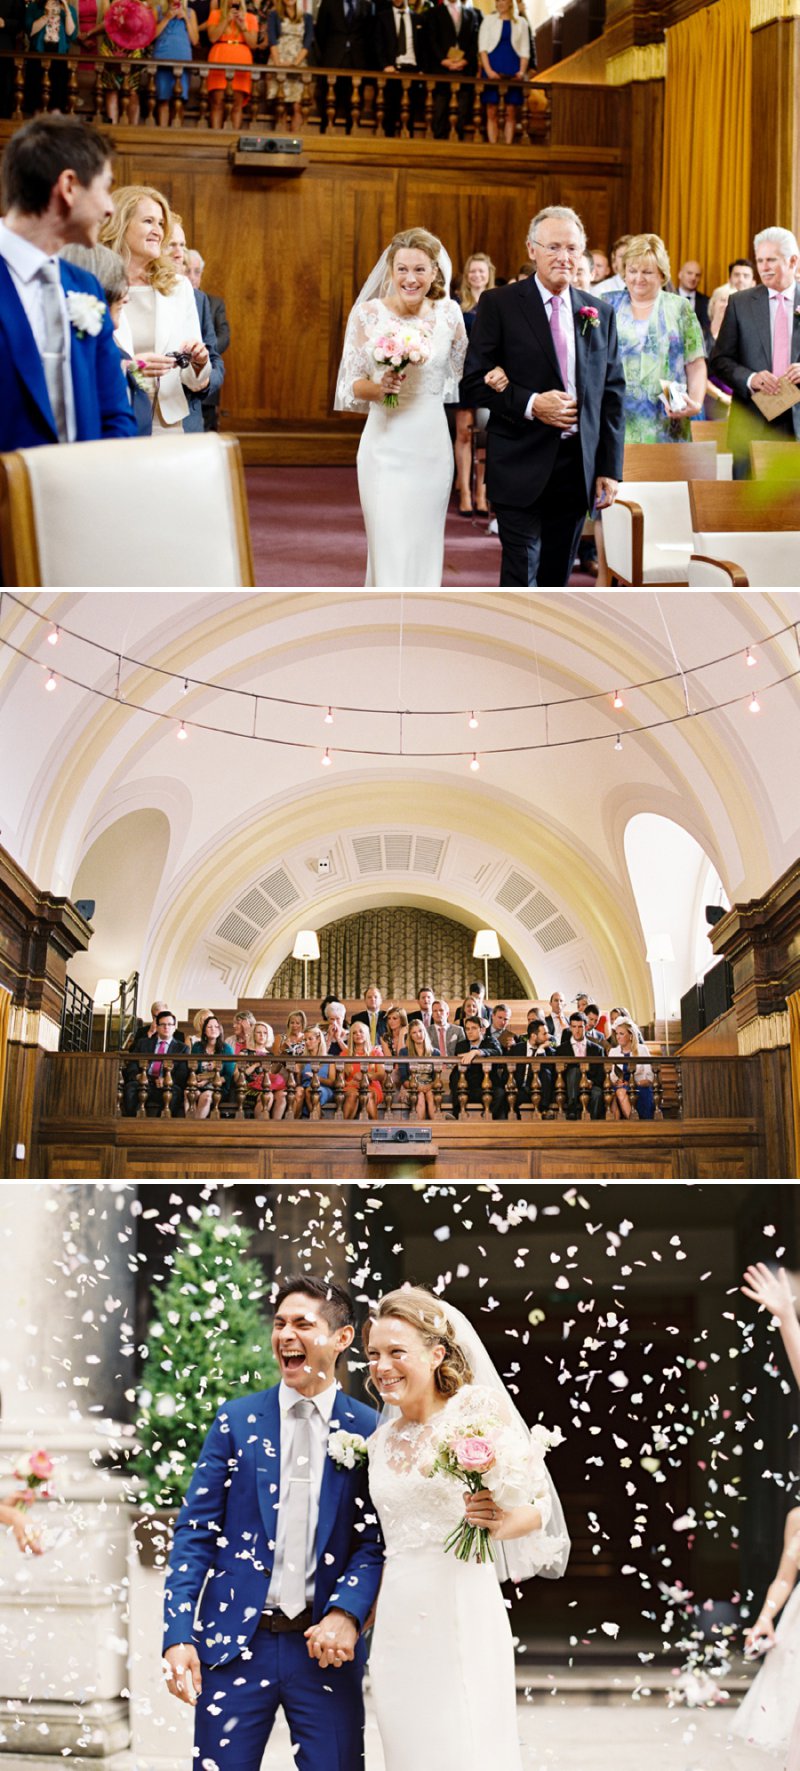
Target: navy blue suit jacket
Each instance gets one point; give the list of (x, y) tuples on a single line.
[(227, 1527), (194, 419), (101, 402)]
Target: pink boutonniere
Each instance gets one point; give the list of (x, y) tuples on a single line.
[(590, 317)]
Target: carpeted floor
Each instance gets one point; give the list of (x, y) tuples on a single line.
[(307, 531)]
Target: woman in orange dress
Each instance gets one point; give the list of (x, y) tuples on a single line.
[(233, 33), (358, 1046)]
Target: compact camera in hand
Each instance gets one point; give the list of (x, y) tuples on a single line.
[(181, 359)]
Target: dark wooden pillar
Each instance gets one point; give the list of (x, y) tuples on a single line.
[(761, 941), (775, 174), (39, 934)]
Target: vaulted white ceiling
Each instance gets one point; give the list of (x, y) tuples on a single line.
[(206, 895)]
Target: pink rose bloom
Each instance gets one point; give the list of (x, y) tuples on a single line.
[(41, 1464), (474, 1454)]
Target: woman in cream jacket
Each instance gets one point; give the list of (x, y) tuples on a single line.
[(160, 318)]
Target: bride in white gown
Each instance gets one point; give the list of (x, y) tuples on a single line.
[(442, 1659), (405, 459)]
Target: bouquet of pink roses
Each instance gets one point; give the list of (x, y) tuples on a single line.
[(399, 347), (484, 1452), (35, 1476)]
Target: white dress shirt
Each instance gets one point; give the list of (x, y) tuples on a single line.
[(568, 328), (24, 261), (319, 1423), (689, 295), (406, 54)]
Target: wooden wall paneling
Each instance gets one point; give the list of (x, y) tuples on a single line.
[(616, 1165), (23, 1094), (775, 176), (716, 1088), (644, 158), (65, 1162), (76, 1085), (208, 1165)]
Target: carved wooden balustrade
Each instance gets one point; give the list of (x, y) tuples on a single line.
[(546, 1097), (331, 98)]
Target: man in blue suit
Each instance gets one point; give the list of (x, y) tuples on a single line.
[(279, 1536), (60, 375)]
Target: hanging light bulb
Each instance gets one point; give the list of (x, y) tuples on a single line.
[(474, 765), (182, 732), (750, 657), (52, 681), (327, 759), (185, 689), (755, 704), (329, 717), (54, 636), (618, 745), (618, 701), (472, 723)]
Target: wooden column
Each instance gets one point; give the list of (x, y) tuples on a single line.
[(775, 176), (761, 941), (39, 934)]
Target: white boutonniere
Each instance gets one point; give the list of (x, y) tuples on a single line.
[(348, 1450), (85, 313)]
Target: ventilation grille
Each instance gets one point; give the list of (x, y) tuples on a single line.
[(234, 928), (555, 933), (258, 908), (398, 852), (368, 853), (280, 889), (512, 893), (532, 909), (537, 910), (428, 853)]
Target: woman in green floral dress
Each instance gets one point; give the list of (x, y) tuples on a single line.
[(660, 340)]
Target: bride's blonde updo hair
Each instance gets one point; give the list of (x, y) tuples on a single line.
[(428, 1316), (419, 240)]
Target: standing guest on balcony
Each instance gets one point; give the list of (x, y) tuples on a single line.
[(177, 34), (52, 25), (400, 46), (176, 250), (424, 1010), (475, 1044), (506, 50), (478, 274), (161, 321), (557, 1022), (575, 1043), (210, 1045), (629, 1048), (419, 1047), (115, 27), (163, 1043), (452, 28), (358, 1046), (290, 35), (660, 340), (546, 361), (372, 1014), (233, 34), (344, 36), (315, 1047), (60, 378), (147, 1028), (444, 1035), (108, 268), (12, 21), (195, 266)]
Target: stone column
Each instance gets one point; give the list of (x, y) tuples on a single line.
[(67, 1273)]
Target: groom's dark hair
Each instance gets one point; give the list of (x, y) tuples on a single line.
[(337, 1305)]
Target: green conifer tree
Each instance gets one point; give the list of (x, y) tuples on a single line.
[(209, 1340)]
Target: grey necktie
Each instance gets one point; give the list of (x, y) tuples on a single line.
[(53, 352), (292, 1597)]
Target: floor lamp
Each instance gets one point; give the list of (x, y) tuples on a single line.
[(306, 947), (487, 946), (660, 952)]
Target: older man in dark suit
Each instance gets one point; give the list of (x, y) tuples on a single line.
[(759, 344), (543, 356)]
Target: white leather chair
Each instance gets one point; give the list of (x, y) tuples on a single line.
[(745, 534), (171, 511), (647, 536)]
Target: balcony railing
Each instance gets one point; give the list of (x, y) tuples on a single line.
[(331, 98), (548, 1097)]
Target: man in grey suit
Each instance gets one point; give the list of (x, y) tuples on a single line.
[(444, 1037), (759, 343)]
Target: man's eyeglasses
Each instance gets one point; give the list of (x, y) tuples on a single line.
[(571, 251)]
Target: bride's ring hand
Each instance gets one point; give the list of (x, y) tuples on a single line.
[(391, 381)]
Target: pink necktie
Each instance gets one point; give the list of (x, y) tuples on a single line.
[(442, 1050), (781, 351), (559, 338), (155, 1069)]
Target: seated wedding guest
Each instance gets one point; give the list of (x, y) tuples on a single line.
[(259, 1099), (399, 46), (444, 1036), (506, 50), (108, 268), (145, 1028), (575, 1043), (163, 1043), (613, 1017), (475, 1044), (394, 1045), (358, 1046), (607, 285), (629, 1049), (537, 1044), (334, 1030), (475, 1003), (198, 1019), (315, 1047), (372, 1015), (243, 1023), (210, 1045), (344, 37), (12, 20), (195, 266), (452, 39), (290, 35), (419, 1047), (596, 1024), (176, 250), (478, 274), (331, 1008), (660, 340), (601, 268), (160, 322), (424, 1010), (741, 274), (556, 1022), (503, 1033), (177, 34), (233, 35), (291, 1044)]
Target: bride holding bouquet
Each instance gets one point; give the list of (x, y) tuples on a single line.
[(404, 352)]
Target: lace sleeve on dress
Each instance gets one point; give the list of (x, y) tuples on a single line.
[(356, 362), (458, 350)]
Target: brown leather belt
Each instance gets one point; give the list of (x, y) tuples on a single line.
[(280, 1625)]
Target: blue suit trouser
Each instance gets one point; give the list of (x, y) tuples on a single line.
[(239, 1702)]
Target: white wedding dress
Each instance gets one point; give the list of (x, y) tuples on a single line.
[(405, 457), (442, 1658), (767, 1714)]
